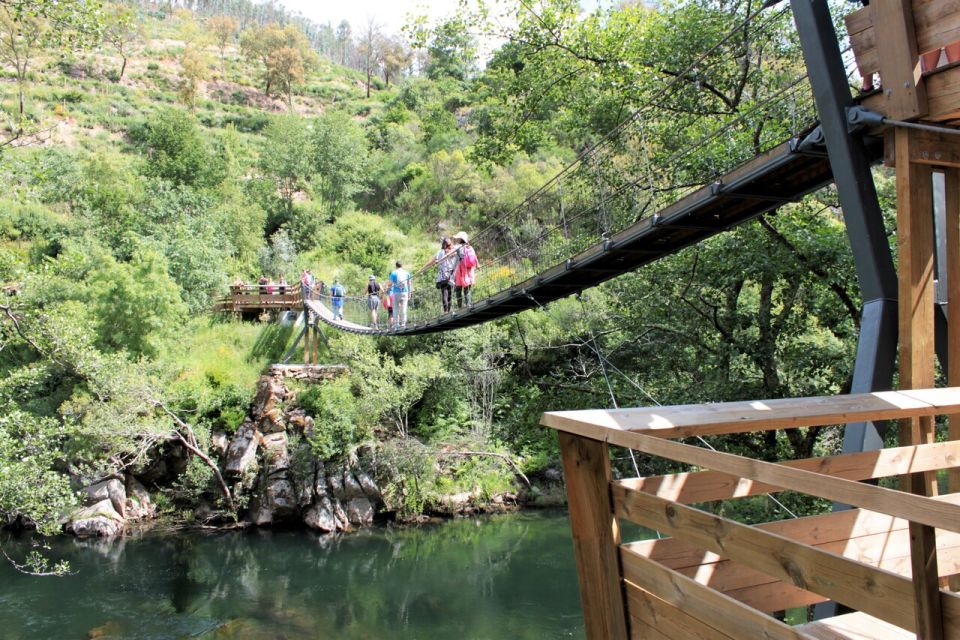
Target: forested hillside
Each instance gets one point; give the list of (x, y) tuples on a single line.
[(154, 154)]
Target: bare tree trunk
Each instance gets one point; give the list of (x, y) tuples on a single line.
[(123, 67)]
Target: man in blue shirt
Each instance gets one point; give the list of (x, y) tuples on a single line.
[(337, 292), (400, 278)]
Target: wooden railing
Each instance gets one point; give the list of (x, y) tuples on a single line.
[(260, 297), (717, 578)]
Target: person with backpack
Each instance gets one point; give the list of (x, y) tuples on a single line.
[(464, 272), (337, 292), (388, 305), (400, 278), (373, 300), (445, 262)]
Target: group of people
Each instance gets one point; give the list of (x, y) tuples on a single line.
[(264, 285), (456, 263)]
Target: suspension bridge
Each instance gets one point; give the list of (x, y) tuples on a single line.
[(890, 556)]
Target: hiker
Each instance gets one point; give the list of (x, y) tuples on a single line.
[(282, 285), (445, 262), (306, 284), (400, 278), (271, 286), (337, 292), (373, 299), (262, 284), (388, 305), (464, 273)]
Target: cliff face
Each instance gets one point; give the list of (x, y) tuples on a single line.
[(269, 462)]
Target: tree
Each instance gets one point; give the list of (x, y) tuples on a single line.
[(395, 58), (339, 153), (177, 150), (344, 40), (369, 49), (223, 28), (21, 38), (285, 67), (452, 51), (282, 157), (195, 68), (122, 32), (260, 44)]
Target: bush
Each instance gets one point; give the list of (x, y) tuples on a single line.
[(338, 427)]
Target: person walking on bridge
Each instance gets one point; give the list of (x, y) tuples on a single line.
[(464, 274), (445, 261), (400, 278), (337, 292), (373, 300)]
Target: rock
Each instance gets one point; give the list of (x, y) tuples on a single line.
[(555, 475), (343, 522), (100, 520), (320, 516), (265, 400), (335, 483), (111, 489), (320, 481), (218, 444), (242, 452), (370, 488), (360, 512), (280, 500), (304, 477), (139, 506), (275, 453), (351, 488)]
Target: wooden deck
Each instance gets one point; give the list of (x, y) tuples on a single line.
[(714, 577), (257, 298)]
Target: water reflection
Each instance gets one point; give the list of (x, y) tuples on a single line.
[(504, 576)]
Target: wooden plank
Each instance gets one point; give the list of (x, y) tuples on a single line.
[(899, 63), (705, 486), (681, 421), (855, 626), (935, 149), (667, 619), (596, 534), (897, 503), (943, 94), (640, 630), (716, 610), (952, 189), (854, 584)]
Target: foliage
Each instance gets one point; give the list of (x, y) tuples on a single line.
[(177, 151), (339, 154), (339, 427)]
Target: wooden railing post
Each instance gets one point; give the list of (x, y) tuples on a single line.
[(596, 536)]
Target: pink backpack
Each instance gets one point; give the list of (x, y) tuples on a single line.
[(469, 257)]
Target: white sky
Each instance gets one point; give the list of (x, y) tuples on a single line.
[(389, 14)]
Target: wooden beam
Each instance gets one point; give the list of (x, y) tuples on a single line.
[(928, 147), (725, 615), (683, 421), (936, 513), (854, 584), (706, 486), (854, 626), (952, 189), (673, 622), (904, 97), (915, 245), (596, 534)]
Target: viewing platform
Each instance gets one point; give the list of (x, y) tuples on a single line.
[(259, 298)]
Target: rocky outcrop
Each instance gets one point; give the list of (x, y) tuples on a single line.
[(270, 460)]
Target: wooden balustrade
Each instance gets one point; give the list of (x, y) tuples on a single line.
[(260, 298), (713, 577)]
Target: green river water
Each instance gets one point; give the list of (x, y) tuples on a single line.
[(499, 577)]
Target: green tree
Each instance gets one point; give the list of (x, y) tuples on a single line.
[(21, 38), (178, 151), (195, 68), (339, 154), (282, 157), (123, 31), (224, 29), (137, 304), (452, 51)]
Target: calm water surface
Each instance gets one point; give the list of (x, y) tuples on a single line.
[(509, 576)]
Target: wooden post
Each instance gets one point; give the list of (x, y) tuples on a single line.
[(596, 536), (904, 94), (306, 344), (315, 344), (952, 189), (915, 245)]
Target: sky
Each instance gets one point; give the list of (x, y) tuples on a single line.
[(389, 14)]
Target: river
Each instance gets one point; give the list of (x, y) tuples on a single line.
[(505, 576)]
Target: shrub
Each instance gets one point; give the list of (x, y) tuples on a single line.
[(338, 426)]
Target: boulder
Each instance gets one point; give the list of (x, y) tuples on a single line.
[(320, 481), (99, 520), (343, 522), (303, 475), (218, 444), (320, 516), (360, 512), (242, 452), (335, 483), (111, 489), (266, 398), (139, 506)]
